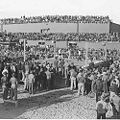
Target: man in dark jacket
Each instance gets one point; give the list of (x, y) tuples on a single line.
[(43, 79), (37, 81), (98, 87)]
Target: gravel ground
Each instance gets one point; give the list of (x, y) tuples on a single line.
[(59, 104)]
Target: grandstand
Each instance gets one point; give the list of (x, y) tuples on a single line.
[(61, 24)]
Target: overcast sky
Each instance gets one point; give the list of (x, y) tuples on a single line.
[(17, 8)]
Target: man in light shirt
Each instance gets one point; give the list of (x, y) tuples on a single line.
[(31, 80), (5, 70), (81, 83), (14, 83), (73, 75)]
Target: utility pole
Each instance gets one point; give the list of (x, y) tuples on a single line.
[(86, 55), (78, 30), (78, 27), (54, 43), (24, 50), (105, 51), (54, 46)]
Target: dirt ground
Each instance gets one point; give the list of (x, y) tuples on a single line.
[(60, 103)]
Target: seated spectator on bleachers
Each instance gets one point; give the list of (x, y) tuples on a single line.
[(57, 19)]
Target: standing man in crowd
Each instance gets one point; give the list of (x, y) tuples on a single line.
[(98, 87), (101, 107), (38, 81), (81, 83), (14, 84), (4, 82), (43, 78), (31, 80), (48, 74), (73, 75), (105, 80)]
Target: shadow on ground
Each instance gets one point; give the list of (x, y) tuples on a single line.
[(37, 101)]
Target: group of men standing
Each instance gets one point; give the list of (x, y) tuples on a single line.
[(102, 82), (36, 76), (9, 82)]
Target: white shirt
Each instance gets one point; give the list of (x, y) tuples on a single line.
[(31, 78), (5, 70)]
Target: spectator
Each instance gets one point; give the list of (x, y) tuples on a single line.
[(14, 84), (98, 87), (73, 75), (57, 19), (4, 82), (48, 74), (105, 80), (116, 104), (31, 80), (81, 83), (101, 107)]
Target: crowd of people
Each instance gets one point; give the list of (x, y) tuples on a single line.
[(103, 79), (35, 75), (36, 52), (87, 37), (16, 52), (56, 19)]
